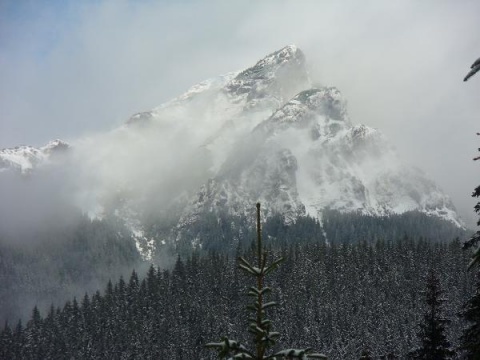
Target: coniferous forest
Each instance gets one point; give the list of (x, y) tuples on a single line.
[(344, 300), (69, 260)]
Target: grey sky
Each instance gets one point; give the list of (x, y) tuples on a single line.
[(72, 68)]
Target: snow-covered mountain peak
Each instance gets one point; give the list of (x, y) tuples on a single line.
[(307, 156), (274, 64), (272, 80), (26, 158), (261, 134), (273, 138), (253, 93)]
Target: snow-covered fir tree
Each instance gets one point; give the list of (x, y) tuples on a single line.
[(471, 335), (470, 340), (259, 325), (434, 344)]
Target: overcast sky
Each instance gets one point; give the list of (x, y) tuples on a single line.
[(71, 68)]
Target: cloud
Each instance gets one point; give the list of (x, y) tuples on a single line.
[(78, 68)]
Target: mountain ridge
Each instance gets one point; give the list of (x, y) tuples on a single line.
[(25, 158)]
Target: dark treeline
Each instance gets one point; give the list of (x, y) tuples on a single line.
[(354, 227), (225, 234), (343, 300)]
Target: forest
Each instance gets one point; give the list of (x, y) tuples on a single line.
[(61, 262), (343, 299)]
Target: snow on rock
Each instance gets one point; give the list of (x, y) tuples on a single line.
[(26, 158), (145, 245)]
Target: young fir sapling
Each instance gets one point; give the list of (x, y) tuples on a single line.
[(259, 326)]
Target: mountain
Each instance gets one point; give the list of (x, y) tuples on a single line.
[(262, 134), (25, 158), (308, 156)]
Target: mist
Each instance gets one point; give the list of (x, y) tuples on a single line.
[(33, 204), (147, 167), (78, 71)]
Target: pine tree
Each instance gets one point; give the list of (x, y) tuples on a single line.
[(474, 241), (259, 326), (18, 340), (434, 344), (34, 336), (473, 69), (6, 343), (470, 340)]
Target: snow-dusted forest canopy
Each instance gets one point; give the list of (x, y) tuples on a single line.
[(342, 299)]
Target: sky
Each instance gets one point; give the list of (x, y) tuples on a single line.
[(70, 69)]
